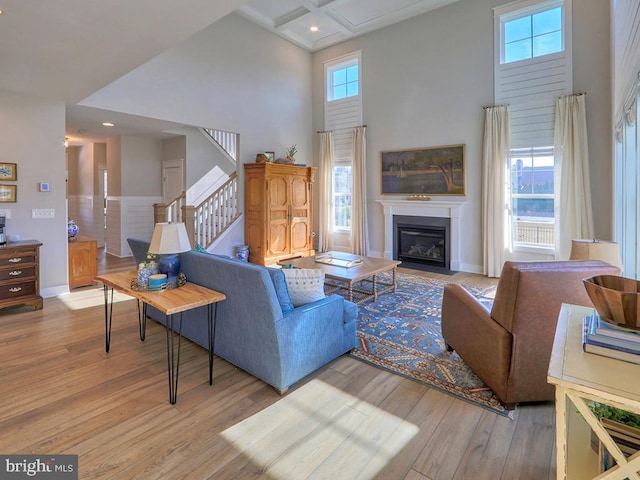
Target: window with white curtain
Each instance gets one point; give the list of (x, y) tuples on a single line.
[(532, 68), (532, 197), (343, 111)]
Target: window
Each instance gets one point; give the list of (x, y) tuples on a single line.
[(529, 34), (343, 81), (342, 112), (532, 197), (342, 185)]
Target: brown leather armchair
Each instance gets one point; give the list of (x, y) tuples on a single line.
[(509, 347)]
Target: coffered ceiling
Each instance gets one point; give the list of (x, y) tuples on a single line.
[(335, 20)]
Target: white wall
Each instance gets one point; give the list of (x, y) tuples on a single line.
[(425, 81), (231, 76), (32, 136)]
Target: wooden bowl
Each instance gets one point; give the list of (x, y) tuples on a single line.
[(616, 299)]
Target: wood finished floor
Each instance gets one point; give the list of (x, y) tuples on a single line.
[(61, 393)]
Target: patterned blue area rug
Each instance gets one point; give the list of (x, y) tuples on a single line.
[(400, 332)]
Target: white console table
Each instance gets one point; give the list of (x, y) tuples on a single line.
[(578, 377)]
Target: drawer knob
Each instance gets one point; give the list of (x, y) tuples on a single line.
[(15, 259), (15, 289), (16, 272)]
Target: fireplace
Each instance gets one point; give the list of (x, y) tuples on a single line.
[(422, 242)]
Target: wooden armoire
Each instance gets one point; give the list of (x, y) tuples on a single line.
[(278, 203)]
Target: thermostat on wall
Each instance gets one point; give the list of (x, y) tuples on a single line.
[(44, 186)]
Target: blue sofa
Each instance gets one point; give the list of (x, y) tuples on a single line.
[(257, 328)]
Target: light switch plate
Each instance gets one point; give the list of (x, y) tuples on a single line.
[(43, 213)]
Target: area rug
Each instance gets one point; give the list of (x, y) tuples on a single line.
[(400, 332)]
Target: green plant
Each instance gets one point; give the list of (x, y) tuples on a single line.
[(292, 150), (601, 410)]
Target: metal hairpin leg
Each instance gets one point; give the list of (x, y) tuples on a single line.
[(108, 315), (142, 320), (212, 311), (173, 363)]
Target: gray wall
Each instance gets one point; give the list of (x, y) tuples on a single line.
[(425, 81)]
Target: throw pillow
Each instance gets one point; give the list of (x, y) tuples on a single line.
[(280, 284), (200, 248), (305, 285)]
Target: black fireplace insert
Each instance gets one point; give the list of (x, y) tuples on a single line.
[(422, 242)]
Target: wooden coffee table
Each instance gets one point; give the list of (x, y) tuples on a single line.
[(345, 270)]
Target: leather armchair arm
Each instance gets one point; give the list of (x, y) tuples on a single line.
[(484, 344)]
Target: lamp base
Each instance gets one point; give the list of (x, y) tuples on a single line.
[(170, 266)]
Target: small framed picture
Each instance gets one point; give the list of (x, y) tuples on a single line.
[(271, 156), (8, 171), (8, 193)]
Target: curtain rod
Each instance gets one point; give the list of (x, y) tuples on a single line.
[(327, 131)]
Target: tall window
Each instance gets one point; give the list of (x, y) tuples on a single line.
[(343, 111), (532, 197), (533, 68)]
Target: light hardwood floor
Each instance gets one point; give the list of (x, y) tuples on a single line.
[(61, 393)]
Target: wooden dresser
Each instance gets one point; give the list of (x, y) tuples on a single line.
[(83, 261), (20, 274), (278, 207)]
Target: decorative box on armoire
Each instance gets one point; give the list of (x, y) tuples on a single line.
[(20, 274), (278, 203)]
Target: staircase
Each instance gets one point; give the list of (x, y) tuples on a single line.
[(211, 217)]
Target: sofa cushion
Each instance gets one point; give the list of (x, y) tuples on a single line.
[(280, 284), (305, 285)]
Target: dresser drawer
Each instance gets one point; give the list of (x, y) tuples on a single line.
[(16, 258), (17, 289), (17, 272)]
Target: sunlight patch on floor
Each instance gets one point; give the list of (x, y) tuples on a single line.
[(319, 431), (87, 298)]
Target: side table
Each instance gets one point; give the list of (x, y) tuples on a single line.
[(170, 302), (578, 377)]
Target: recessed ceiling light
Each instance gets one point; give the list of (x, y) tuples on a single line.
[(108, 124), (314, 28), (1, 11)]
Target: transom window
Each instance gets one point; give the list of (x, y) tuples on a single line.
[(343, 81), (532, 35), (532, 197)]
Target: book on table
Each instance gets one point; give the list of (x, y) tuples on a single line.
[(629, 352), (601, 332)]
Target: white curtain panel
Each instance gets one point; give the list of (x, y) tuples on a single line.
[(496, 231), (325, 237), (359, 228), (573, 213)]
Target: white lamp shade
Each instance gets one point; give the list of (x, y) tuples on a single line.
[(596, 250), (169, 238)]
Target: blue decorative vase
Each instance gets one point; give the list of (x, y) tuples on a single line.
[(72, 230), (145, 270), (170, 265), (242, 253)]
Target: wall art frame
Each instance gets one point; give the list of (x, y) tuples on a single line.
[(8, 193), (424, 171), (8, 171)]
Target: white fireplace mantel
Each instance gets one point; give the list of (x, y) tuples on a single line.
[(433, 208)]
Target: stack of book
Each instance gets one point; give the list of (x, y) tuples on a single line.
[(603, 338)]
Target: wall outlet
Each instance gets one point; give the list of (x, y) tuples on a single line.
[(43, 213)]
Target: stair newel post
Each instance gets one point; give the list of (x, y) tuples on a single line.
[(189, 219), (159, 213)]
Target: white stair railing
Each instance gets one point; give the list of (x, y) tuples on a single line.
[(228, 141)]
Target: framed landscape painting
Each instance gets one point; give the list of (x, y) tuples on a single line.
[(8, 171), (424, 171)]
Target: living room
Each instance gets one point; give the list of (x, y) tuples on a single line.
[(425, 81)]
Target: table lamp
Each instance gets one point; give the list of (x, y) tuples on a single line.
[(596, 250), (168, 240)]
